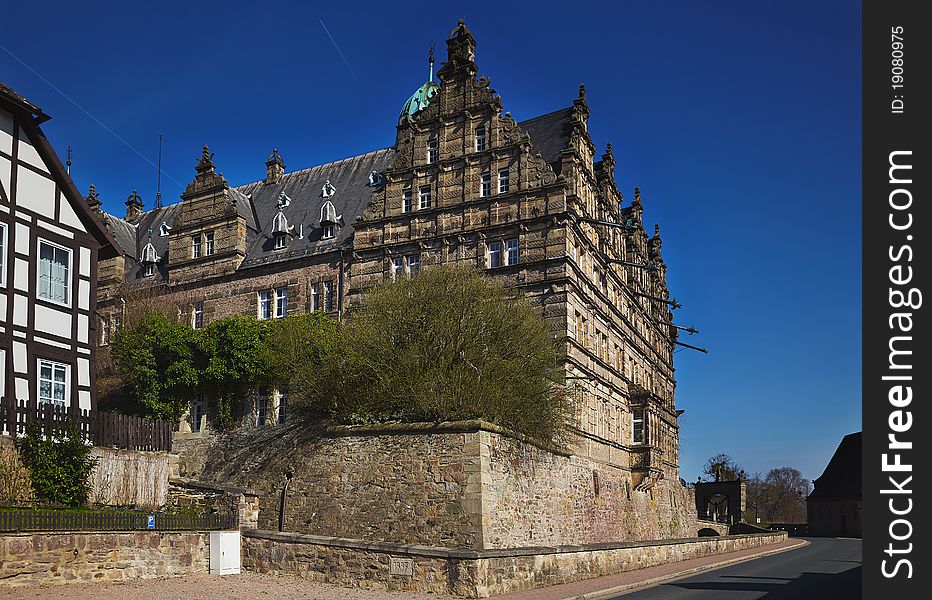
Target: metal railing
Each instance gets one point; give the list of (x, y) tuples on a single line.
[(112, 520)]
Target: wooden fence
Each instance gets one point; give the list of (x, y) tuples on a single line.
[(106, 429)]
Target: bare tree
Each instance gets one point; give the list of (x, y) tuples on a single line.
[(722, 467)]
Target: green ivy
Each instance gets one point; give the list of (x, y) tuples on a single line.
[(59, 464)]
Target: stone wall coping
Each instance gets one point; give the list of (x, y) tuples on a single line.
[(436, 551), (212, 487), (468, 426)]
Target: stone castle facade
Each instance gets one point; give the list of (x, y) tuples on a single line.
[(530, 202)]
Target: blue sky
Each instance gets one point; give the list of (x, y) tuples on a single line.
[(740, 121)]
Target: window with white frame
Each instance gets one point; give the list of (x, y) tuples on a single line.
[(424, 197), (485, 184), (262, 408), (197, 317), (503, 181), (638, 427), (511, 251), (406, 200), (54, 273), (480, 139), (3, 247), (414, 265), (281, 302), (494, 254), (329, 296), (148, 270), (265, 305), (328, 232), (282, 405), (196, 246), (432, 150), (398, 268), (104, 331), (209, 238), (54, 383), (279, 241), (315, 296)]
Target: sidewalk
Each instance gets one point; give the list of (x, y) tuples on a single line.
[(599, 587)]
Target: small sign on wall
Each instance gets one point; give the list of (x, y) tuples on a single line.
[(401, 566), (150, 522)]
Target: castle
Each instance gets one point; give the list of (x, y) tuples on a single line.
[(531, 202)]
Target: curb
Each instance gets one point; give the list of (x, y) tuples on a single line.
[(681, 574)]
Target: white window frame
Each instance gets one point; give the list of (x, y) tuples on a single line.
[(315, 297), (262, 408), (480, 138), (104, 331), (406, 198), (433, 150), (282, 408), (279, 241), (413, 265), (328, 232), (197, 316), (493, 249), (423, 197), (485, 184), (196, 246), (209, 243), (329, 296), (512, 245), (638, 416), (3, 250), (68, 275), (264, 305), (398, 268), (504, 180), (148, 270), (66, 402), (281, 308)]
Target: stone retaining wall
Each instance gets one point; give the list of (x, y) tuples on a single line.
[(67, 557), (468, 573)]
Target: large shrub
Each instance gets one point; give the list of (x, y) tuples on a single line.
[(59, 464), (449, 344)]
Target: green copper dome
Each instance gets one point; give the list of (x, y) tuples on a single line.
[(420, 99)]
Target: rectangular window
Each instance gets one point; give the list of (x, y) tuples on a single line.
[(279, 241), (485, 185), (104, 331), (329, 296), (148, 270), (638, 430), (315, 296), (424, 197), (196, 246), (54, 383), (328, 232), (511, 251), (398, 268), (495, 254), (265, 305), (54, 273), (262, 408), (432, 150), (503, 181), (480, 139), (210, 243), (198, 410), (414, 265), (282, 405), (197, 319), (281, 302), (3, 254), (406, 200)]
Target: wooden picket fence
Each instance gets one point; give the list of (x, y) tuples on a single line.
[(106, 429)]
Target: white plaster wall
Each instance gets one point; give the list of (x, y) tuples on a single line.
[(50, 320), (35, 192)]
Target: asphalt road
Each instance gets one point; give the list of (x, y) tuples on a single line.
[(827, 569)]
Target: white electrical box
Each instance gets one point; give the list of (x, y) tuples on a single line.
[(224, 552)]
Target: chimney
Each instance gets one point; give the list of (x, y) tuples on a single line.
[(133, 207), (274, 167)]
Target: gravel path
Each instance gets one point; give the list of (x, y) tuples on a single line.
[(245, 586)]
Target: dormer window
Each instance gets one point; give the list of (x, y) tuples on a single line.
[(164, 229), (376, 179), (328, 220), (279, 241), (327, 190), (328, 232), (148, 270), (432, 150), (280, 230), (480, 139)]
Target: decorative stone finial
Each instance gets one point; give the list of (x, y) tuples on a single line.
[(274, 167), (656, 230), (582, 91), (205, 164), (92, 199), (133, 206)]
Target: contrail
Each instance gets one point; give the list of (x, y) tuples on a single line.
[(82, 109), (340, 52)]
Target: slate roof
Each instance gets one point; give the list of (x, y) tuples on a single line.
[(842, 476), (257, 202), (550, 134)]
